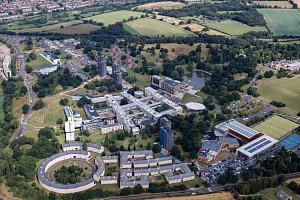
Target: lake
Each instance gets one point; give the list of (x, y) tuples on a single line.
[(196, 80)]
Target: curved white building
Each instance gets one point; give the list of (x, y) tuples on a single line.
[(59, 187)]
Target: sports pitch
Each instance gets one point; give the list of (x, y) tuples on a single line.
[(276, 127), (113, 17), (234, 27), (282, 21), (152, 27), (288, 88)]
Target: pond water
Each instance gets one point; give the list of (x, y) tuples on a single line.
[(196, 80)]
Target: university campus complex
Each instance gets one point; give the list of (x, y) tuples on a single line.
[(117, 99)]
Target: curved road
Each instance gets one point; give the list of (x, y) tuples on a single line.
[(15, 41)]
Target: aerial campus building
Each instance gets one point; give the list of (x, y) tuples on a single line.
[(136, 166), (139, 111), (50, 57), (166, 134), (166, 84), (236, 129), (5, 61), (74, 151), (212, 148), (116, 74), (102, 67), (257, 147), (73, 121)]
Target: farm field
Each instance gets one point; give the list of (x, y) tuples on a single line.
[(234, 27), (214, 196), (38, 62), (78, 29), (288, 88), (276, 127), (282, 21), (113, 17), (280, 4), (199, 28), (166, 5), (152, 27)]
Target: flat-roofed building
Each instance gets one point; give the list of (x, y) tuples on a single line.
[(236, 129), (257, 147)]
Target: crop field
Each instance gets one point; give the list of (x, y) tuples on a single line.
[(113, 17), (288, 88), (152, 27), (166, 5), (38, 62), (234, 27), (276, 127), (78, 29), (282, 21), (280, 4)]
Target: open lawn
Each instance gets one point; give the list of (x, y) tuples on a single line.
[(187, 97), (78, 29), (38, 62), (113, 17), (233, 27), (152, 27), (279, 4), (288, 88), (49, 114), (276, 127), (269, 193), (166, 5), (50, 27), (199, 28), (174, 49), (282, 21), (142, 80), (214, 196)]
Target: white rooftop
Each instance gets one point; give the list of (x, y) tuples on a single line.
[(195, 106), (240, 128), (256, 146)]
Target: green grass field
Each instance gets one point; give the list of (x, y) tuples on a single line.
[(286, 90), (269, 193), (113, 17), (234, 27), (152, 27), (187, 97), (78, 29), (38, 62), (282, 21), (142, 80), (276, 127)]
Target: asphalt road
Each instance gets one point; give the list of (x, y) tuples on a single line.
[(15, 41)]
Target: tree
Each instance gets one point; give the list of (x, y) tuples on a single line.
[(138, 189), (126, 191), (59, 121), (64, 102), (176, 152), (156, 148), (46, 132), (84, 146), (25, 108), (23, 90), (38, 105)]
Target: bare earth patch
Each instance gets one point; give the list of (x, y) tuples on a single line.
[(214, 196)]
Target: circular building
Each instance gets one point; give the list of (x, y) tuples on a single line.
[(195, 106)]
